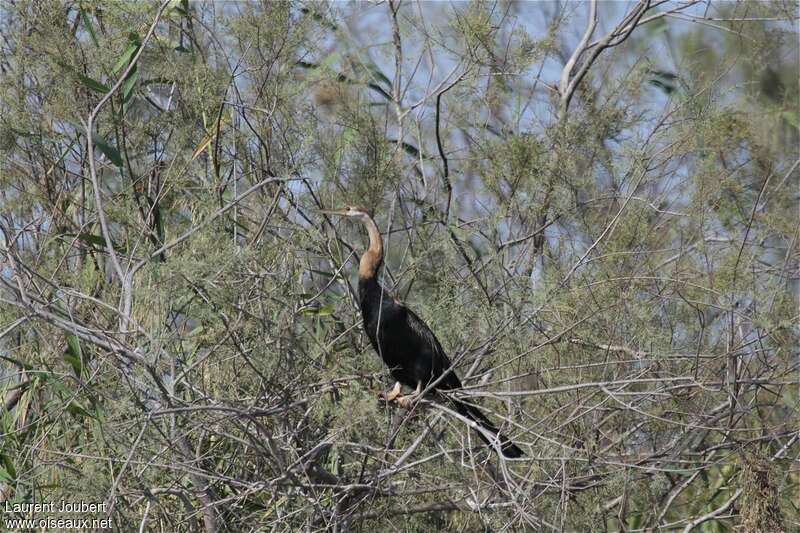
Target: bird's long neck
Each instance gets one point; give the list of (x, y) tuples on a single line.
[(372, 258)]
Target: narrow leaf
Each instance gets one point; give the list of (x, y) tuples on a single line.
[(92, 83), (85, 80), (410, 149), (377, 74), (9, 467), (668, 88), (17, 362), (129, 83), (208, 138), (126, 56), (73, 354), (77, 410), (159, 223), (109, 151), (96, 241), (791, 117), (87, 22), (324, 310), (74, 345)]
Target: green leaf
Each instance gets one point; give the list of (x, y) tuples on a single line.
[(109, 151), (88, 238), (73, 354), (376, 73), (159, 223), (663, 80), (9, 467), (77, 410), (133, 46), (17, 362), (96, 241), (792, 118), (223, 120), (87, 22), (129, 83), (666, 87), (92, 83), (324, 310), (5, 476), (410, 149), (663, 74), (634, 520), (74, 345), (84, 79)]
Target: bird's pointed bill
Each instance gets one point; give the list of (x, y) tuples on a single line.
[(335, 212)]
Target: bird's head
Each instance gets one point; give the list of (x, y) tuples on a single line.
[(356, 212)]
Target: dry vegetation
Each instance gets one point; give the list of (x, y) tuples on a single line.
[(593, 205)]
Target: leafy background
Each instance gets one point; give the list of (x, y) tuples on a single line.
[(608, 250)]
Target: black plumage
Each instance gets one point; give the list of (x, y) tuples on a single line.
[(404, 342), (413, 353)]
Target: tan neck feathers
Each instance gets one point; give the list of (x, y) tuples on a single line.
[(372, 258)]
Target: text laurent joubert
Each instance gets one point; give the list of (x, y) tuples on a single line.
[(51, 507)]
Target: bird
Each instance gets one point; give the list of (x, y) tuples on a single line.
[(406, 344)]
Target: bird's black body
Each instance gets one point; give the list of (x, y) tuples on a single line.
[(407, 346), (410, 350), (413, 353)]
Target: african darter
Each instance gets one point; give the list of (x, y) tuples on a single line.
[(407, 346)]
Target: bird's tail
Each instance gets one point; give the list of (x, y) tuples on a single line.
[(509, 449)]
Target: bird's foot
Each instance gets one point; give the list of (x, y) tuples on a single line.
[(407, 401), (392, 395)]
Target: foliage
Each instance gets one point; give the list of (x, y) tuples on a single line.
[(602, 232)]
